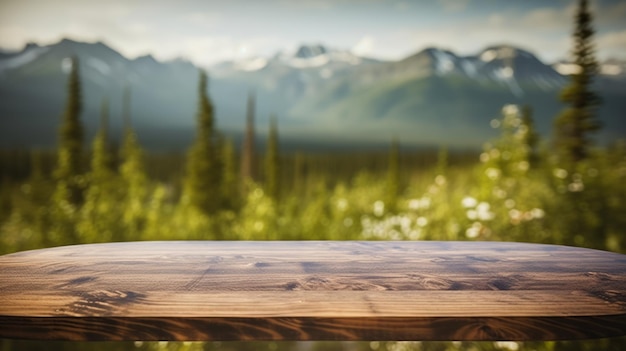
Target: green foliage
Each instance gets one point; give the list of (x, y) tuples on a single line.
[(574, 125), (70, 182), (202, 180), (135, 183), (248, 152), (272, 162), (230, 185), (393, 175), (258, 219), (530, 137), (133, 180), (99, 215), (513, 194), (69, 163)]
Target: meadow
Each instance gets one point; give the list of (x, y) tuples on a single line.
[(512, 190)]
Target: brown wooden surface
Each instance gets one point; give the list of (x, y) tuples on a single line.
[(200, 290)]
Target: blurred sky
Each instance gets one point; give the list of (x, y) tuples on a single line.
[(208, 31)]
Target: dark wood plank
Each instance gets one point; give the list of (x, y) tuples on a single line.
[(199, 290)]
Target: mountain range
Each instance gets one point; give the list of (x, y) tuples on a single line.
[(320, 95)]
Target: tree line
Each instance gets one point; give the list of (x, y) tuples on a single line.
[(114, 198)]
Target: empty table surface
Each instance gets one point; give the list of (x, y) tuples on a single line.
[(308, 290)]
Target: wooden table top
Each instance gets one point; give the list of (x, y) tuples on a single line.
[(207, 290)]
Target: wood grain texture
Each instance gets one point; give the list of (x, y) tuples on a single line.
[(199, 290)]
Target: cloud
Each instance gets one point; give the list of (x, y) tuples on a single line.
[(545, 18), (612, 44), (200, 18), (610, 14), (207, 50), (454, 5), (365, 46)]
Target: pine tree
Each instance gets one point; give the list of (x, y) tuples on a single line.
[(133, 176), (272, 162), (99, 213), (578, 120), (298, 173), (530, 137), (393, 175), (67, 196), (101, 158), (248, 154), (442, 161), (230, 193), (69, 164), (202, 179)]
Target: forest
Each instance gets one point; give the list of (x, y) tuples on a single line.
[(520, 187)]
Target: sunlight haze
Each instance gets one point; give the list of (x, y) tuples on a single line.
[(208, 32)]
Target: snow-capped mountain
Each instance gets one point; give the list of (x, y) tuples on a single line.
[(510, 66), (33, 85), (309, 56), (425, 97), (303, 57), (11, 60)]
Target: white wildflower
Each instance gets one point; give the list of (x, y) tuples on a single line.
[(473, 231), (379, 208), (484, 157), (483, 212), (440, 180), (469, 202), (560, 173), (342, 204), (348, 222), (523, 166), (421, 221), (492, 173), (508, 345), (537, 213)]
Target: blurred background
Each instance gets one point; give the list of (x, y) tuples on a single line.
[(313, 120)]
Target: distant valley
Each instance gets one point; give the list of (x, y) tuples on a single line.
[(321, 96)]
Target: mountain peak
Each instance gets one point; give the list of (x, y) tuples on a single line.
[(310, 51), (503, 52), (145, 59), (30, 45)]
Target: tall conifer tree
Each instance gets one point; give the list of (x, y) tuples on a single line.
[(99, 215), (230, 194), (67, 197), (202, 180), (530, 137), (70, 151), (574, 125), (393, 175), (248, 154), (133, 176), (272, 162), (101, 157)]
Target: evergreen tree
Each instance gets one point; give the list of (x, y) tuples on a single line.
[(530, 137), (230, 194), (578, 120), (101, 157), (133, 176), (248, 154), (99, 213), (272, 162), (298, 173), (67, 196), (69, 163), (202, 179), (442, 161), (393, 175)]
